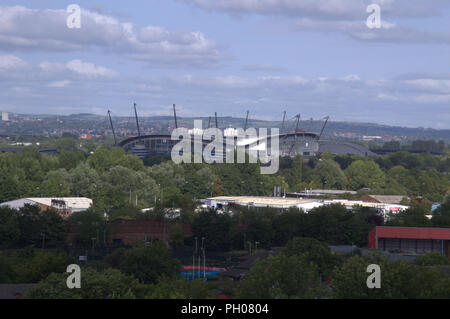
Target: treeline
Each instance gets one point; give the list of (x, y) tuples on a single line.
[(305, 268), (114, 179), (415, 146)]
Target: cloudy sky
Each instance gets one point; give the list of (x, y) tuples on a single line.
[(313, 57)]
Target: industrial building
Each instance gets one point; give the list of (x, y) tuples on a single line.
[(64, 206), (416, 240), (384, 199), (317, 193), (226, 203)]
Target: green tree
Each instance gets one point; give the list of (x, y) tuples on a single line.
[(329, 175), (39, 265), (294, 174), (365, 173), (53, 227), (9, 227), (214, 227), (281, 277), (313, 251), (88, 224), (399, 279), (106, 284), (150, 263), (84, 181), (432, 259), (169, 288), (176, 237)]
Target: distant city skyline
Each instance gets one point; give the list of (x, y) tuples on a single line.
[(316, 58)]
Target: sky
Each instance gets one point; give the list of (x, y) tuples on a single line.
[(308, 57)]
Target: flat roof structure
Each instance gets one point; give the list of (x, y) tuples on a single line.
[(259, 201), (410, 239), (301, 203), (63, 205)]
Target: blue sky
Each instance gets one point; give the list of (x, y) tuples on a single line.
[(315, 58)]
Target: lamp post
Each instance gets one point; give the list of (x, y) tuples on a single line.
[(43, 240), (193, 259), (204, 257), (93, 241)]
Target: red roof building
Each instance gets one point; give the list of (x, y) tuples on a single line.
[(419, 240)]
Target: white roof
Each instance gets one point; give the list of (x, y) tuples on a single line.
[(71, 202), (74, 203)]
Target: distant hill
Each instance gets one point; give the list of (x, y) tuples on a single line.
[(38, 124)]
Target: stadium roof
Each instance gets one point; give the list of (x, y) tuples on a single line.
[(334, 147)]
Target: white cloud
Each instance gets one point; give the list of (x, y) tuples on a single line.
[(10, 62), (23, 29), (89, 69), (323, 9), (343, 16), (14, 68), (59, 84)]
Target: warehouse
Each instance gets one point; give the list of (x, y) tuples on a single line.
[(417, 240), (227, 202), (64, 206)]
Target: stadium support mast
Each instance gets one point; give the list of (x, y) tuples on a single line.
[(112, 127), (310, 124), (246, 121), (215, 115), (282, 125), (323, 127), (298, 121), (175, 116), (137, 121)]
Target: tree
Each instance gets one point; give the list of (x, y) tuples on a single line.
[(432, 259), (124, 185), (106, 284), (6, 271), (66, 144), (169, 288), (84, 181), (441, 216), (281, 277), (9, 227), (53, 227), (287, 225), (39, 264), (9, 189), (176, 237), (29, 226), (399, 279), (329, 175), (214, 227), (365, 173), (150, 263), (70, 159), (56, 184), (294, 174), (411, 217), (313, 251), (88, 224)]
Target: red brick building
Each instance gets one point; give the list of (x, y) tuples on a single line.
[(418, 240), (136, 232)]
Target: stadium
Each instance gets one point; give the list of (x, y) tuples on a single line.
[(296, 142)]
